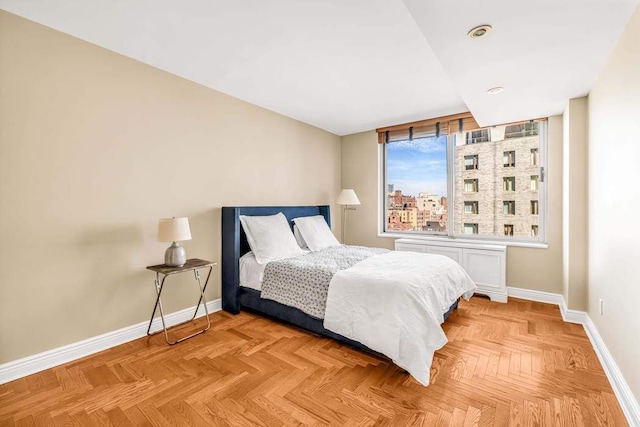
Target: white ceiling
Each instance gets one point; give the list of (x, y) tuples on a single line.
[(353, 65), (543, 52)]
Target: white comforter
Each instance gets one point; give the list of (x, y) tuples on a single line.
[(394, 304)]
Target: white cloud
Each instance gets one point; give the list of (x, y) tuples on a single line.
[(422, 145)]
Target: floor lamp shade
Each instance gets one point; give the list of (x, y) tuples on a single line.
[(174, 230), (348, 197)]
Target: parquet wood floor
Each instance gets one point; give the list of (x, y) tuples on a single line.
[(505, 364)]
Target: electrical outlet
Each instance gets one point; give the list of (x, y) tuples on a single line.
[(601, 306)]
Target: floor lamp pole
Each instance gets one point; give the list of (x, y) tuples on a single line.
[(344, 221), (346, 199)]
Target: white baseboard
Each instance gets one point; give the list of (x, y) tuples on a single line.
[(494, 296), (572, 316), (568, 315), (625, 396), (38, 362), (627, 400), (538, 296)]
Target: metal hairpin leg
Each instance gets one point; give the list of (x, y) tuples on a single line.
[(159, 286)]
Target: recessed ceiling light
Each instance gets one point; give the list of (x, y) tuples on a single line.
[(479, 31), (495, 90)]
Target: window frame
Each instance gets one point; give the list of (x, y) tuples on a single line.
[(541, 242), (511, 161), (536, 181), (534, 159), (507, 205), (474, 185), (508, 181), (475, 160), (534, 206), (525, 132), (473, 204), (483, 137), (473, 225), (536, 228)]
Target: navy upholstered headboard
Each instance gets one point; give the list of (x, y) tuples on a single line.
[(234, 243)]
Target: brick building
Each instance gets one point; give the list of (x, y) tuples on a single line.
[(497, 179)]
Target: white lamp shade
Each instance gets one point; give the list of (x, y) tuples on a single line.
[(174, 230), (348, 197)]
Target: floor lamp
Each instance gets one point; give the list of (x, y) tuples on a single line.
[(347, 199)]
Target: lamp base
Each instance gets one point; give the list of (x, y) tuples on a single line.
[(175, 256)]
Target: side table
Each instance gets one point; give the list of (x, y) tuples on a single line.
[(194, 265)]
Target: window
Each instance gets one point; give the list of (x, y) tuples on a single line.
[(471, 162), (470, 228), (508, 229), (534, 207), (509, 183), (534, 231), (534, 182), (476, 136), (509, 159), (411, 206), (509, 207), (534, 157), (471, 185), (521, 130), (432, 182), (471, 207)]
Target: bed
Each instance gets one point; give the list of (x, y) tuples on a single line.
[(235, 245), (236, 297)]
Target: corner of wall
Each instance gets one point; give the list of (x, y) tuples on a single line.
[(574, 203)]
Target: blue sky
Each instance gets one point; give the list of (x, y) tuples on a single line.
[(418, 166)]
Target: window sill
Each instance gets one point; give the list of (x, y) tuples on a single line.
[(518, 244)]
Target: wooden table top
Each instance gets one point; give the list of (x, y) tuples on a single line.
[(191, 264)]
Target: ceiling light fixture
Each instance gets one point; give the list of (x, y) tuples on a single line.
[(495, 90), (479, 31)]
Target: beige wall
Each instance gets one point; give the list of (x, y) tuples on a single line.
[(614, 203), (574, 204), (94, 148), (539, 269), (360, 172)]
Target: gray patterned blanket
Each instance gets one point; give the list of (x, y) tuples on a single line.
[(303, 281)]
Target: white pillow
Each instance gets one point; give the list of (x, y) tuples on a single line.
[(270, 237), (315, 232), (298, 236)]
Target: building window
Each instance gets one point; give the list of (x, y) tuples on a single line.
[(431, 181), (471, 185), (471, 162), (534, 207), (470, 228), (534, 157), (509, 207), (534, 231), (471, 207), (508, 229), (476, 136), (521, 130), (509, 183), (509, 159), (534, 182)]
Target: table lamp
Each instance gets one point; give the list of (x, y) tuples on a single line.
[(174, 230)]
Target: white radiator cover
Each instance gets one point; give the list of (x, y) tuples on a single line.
[(485, 263)]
